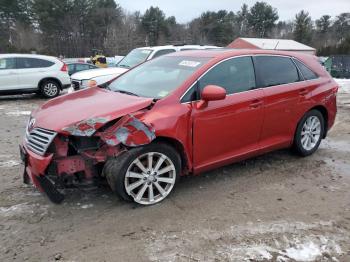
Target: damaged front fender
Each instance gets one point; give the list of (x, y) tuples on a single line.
[(129, 131)]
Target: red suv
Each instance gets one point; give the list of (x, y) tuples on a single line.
[(182, 113)]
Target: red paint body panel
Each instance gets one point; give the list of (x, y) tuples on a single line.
[(207, 134), (227, 129), (89, 103)]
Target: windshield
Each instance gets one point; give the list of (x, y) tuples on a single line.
[(135, 57), (159, 77)]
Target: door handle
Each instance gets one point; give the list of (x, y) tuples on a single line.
[(303, 92), (256, 103)]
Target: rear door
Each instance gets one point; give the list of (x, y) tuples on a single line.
[(229, 128), (31, 71), (284, 92), (8, 74)]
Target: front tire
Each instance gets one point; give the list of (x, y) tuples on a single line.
[(145, 175), (49, 89), (309, 133)]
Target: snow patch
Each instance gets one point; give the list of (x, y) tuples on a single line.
[(87, 206), (18, 113), (344, 85), (280, 241), (22, 208), (9, 163), (304, 252)]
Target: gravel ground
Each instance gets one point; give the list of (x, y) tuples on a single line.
[(276, 207)]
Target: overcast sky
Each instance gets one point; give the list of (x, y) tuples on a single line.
[(186, 10)]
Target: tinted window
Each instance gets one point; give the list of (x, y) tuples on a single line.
[(70, 67), (235, 75), (306, 72), (32, 63), (163, 52), (275, 70), (190, 95), (81, 67), (7, 63)]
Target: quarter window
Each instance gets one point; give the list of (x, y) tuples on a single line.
[(307, 73), (275, 70), (7, 63), (24, 62), (235, 75)]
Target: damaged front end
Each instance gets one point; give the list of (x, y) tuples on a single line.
[(76, 154)]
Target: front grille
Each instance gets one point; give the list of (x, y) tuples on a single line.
[(39, 139), (76, 84)]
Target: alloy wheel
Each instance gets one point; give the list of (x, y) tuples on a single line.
[(311, 133), (50, 89), (150, 178)]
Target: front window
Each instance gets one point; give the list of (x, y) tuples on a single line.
[(135, 57), (158, 78), (235, 75)]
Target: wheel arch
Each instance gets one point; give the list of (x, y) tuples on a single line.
[(323, 110), (52, 79), (179, 147)]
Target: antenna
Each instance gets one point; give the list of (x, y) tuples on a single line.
[(276, 45)]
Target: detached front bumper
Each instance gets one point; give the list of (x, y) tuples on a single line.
[(35, 167)]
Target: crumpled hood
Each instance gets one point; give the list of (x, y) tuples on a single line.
[(88, 74), (86, 106)]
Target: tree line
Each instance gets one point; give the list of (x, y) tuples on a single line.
[(73, 28)]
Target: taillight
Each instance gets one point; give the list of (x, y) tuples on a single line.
[(64, 68)]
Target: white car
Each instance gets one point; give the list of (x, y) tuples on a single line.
[(133, 58), (20, 73)]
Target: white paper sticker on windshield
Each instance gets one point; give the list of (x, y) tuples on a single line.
[(189, 63), (163, 93), (145, 51)]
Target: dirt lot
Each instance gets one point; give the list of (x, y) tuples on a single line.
[(277, 207)]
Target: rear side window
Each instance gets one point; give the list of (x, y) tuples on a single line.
[(276, 70), (24, 62), (81, 67), (306, 72), (7, 63), (235, 75), (163, 52)]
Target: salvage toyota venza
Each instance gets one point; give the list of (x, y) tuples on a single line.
[(180, 114)]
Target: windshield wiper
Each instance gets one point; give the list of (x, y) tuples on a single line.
[(126, 92)]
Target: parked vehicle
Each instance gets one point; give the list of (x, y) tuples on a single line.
[(21, 73), (132, 59), (179, 114), (78, 67), (81, 80)]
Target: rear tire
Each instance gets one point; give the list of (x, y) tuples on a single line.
[(146, 174), (309, 133), (49, 88)]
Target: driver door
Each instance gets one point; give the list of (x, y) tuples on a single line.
[(227, 129)]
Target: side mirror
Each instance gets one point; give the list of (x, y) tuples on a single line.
[(213, 93)]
